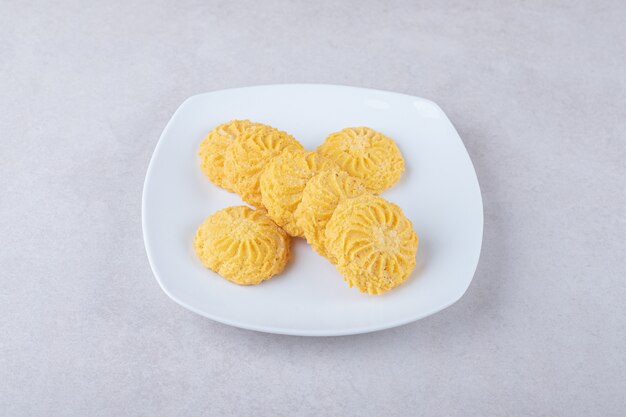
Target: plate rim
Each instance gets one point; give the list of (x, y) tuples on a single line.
[(307, 332)]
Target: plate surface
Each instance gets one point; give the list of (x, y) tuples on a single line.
[(439, 192)]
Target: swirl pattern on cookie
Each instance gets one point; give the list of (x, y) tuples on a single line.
[(374, 243), (213, 148), (283, 181), (320, 198), (365, 154), (243, 245), (249, 154)]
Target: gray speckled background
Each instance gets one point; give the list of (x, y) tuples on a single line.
[(537, 90)]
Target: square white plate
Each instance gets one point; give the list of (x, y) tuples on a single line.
[(439, 192)]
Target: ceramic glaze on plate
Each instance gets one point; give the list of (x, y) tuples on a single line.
[(439, 192)]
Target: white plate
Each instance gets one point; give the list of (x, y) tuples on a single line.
[(439, 192)]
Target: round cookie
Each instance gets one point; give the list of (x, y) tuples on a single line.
[(245, 160), (213, 148), (243, 245), (365, 154), (373, 242), (320, 198), (283, 181)]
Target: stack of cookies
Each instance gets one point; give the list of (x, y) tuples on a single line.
[(327, 196)]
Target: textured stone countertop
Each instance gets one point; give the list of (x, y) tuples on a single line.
[(537, 91)]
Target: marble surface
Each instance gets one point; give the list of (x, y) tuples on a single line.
[(536, 89)]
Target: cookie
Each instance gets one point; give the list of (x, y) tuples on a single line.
[(320, 198), (365, 154), (245, 160), (214, 146), (283, 181), (374, 243), (243, 245)]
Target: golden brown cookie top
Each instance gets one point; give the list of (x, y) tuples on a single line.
[(320, 198), (365, 154), (374, 243), (283, 181), (249, 154), (243, 245), (214, 146)]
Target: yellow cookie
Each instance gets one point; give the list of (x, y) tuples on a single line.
[(213, 148), (365, 154), (373, 242), (283, 181), (243, 245), (319, 200), (249, 154)]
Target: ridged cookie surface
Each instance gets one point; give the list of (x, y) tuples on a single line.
[(283, 181), (374, 243), (243, 245), (365, 154), (320, 198), (245, 160), (214, 146)]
